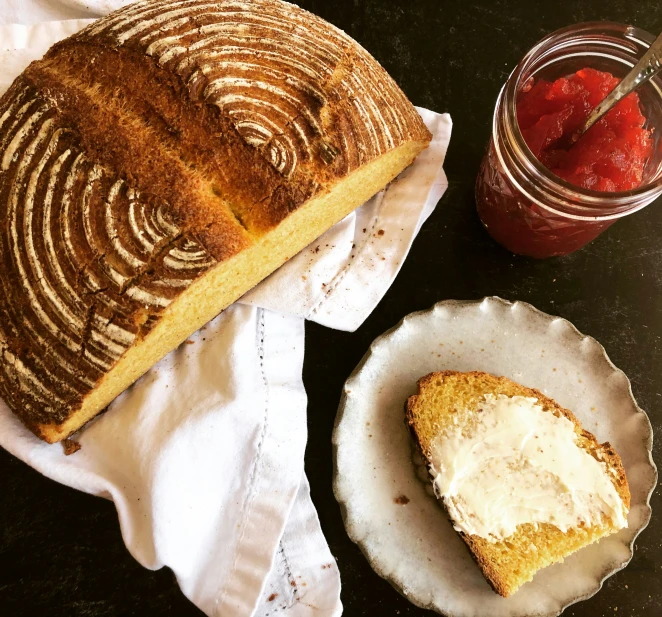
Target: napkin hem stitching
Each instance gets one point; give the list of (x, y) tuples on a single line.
[(290, 577), (248, 503)]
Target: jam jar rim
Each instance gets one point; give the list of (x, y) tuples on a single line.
[(570, 201)]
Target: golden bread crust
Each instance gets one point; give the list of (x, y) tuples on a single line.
[(159, 147)]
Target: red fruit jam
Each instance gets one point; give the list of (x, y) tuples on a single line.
[(609, 157)]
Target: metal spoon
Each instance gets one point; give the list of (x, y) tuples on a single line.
[(648, 66)]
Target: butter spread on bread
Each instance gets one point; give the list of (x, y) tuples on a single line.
[(523, 483)]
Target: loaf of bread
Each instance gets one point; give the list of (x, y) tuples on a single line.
[(156, 166), (524, 485)]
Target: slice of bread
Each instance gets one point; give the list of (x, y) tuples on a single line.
[(451, 399)]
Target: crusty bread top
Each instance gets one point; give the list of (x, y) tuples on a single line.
[(159, 142), (507, 564)]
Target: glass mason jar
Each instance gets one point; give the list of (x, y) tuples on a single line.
[(524, 206)]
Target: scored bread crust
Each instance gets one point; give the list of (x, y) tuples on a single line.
[(160, 163), (424, 427)]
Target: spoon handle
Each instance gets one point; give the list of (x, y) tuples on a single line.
[(649, 64)]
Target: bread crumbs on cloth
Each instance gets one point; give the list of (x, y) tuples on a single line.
[(70, 446)]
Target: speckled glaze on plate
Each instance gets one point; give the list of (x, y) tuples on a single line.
[(401, 528)]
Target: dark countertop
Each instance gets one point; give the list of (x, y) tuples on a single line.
[(61, 552)]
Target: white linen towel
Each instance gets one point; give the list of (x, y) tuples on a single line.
[(203, 456)]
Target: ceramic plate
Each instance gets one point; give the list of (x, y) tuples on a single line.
[(388, 512)]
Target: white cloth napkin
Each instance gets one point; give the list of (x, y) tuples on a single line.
[(203, 456)]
